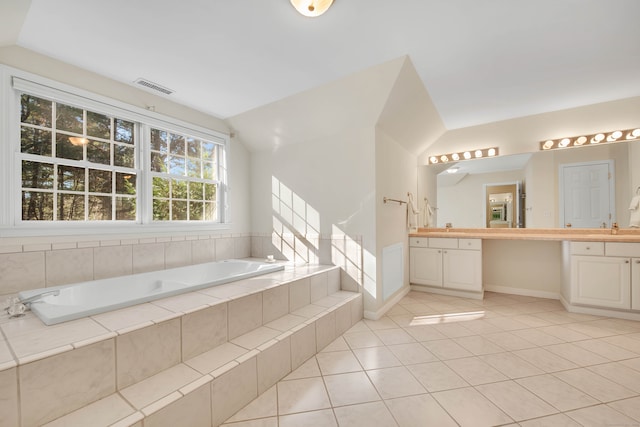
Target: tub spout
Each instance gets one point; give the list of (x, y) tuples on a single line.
[(39, 296)]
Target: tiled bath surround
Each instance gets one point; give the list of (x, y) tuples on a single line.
[(194, 358), (39, 263)]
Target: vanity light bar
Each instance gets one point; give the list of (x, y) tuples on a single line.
[(464, 155), (597, 138)]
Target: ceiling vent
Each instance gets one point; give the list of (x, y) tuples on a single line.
[(153, 86)]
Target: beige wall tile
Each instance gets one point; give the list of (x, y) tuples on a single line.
[(57, 385), (245, 314), (357, 309), (203, 250), (299, 294), (193, 410), (274, 363), (242, 247), (333, 280), (69, 266), (148, 257), (325, 330), (303, 345), (112, 261), (225, 248), (103, 412), (319, 286), (9, 398), (343, 318), (275, 303), (21, 271), (177, 254), (203, 330), (145, 352), (233, 390)]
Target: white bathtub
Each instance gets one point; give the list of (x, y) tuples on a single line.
[(97, 296)]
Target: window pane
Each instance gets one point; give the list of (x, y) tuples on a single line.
[(70, 178), (161, 210), (193, 148), (179, 210), (70, 207), (124, 131), (123, 155), (98, 125), (100, 182), (158, 162), (208, 170), (176, 165), (69, 118), (100, 208), (178, 189), (125, 183), (37, 206), (35, 141), (37, 175), (208, 150), (99, 152), (195, 191), (36, 111), (125, 208), (66, 150), (193, 168), (210, 192), (159, 140), (196, 211), (160, 187), (210, 212), (177, 145)]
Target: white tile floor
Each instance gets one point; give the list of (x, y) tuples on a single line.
[(444, 361)]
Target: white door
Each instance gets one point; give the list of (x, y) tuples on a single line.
[(586, 193)]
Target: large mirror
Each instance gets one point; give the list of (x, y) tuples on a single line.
[(461, 199)]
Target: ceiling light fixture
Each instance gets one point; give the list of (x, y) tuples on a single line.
[(596, 138), (464, 155), (312, 8), (77, 140)]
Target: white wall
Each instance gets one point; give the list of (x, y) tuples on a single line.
[(396, 175)]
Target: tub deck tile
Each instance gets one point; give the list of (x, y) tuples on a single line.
[(186, 303), (152, 389), (103, 412), (130, 317), (256, 337), (213, 359)]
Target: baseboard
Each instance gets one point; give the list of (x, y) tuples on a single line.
[(599, 311), (448, 292), (376, 315), (522, 292)]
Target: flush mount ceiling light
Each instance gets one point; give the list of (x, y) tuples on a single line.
[(312, 8), (596, 138), (464, 155)]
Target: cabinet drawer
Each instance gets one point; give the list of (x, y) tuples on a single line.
[(622, 249), (443, 243), (419, 242), (587, 248), (472, 244)]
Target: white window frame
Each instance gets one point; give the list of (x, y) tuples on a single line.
[(13, 82)]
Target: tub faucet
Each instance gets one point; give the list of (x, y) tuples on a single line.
[(41, 295)]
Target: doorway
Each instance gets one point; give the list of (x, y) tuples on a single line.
[(587, 194)]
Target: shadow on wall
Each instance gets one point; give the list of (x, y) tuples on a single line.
[(297, 237)]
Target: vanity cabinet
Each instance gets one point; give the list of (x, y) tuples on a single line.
[(447, 263), (605, 275)]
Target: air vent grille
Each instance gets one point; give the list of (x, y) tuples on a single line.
[(153, 86)]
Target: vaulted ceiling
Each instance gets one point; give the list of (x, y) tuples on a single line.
[(479, 61)]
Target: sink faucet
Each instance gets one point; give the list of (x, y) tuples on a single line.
[(614, 228)]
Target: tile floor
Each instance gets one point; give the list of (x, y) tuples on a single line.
[(443, 361)]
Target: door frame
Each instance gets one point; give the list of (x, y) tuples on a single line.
[(612, 188)]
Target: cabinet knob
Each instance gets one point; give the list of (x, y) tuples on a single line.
[(445, 252), (588, 248), (439, 251), (638, 261), (626, 261)]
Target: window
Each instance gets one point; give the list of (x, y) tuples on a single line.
[(76, 164), (184, 171), (83, 159)]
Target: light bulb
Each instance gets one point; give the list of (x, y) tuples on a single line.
[(455, 156), (491, 152), (564, 142), (433, 159), (581, 140), (548, 144), (467, 155), (478, 154)]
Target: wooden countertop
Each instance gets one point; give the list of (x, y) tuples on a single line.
[(557, 234)]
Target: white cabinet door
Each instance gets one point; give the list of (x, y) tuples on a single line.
[(462, 270), (425, 266), (601, 281), (635, 283)]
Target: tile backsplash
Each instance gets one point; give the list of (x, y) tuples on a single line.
[(37, 265)]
